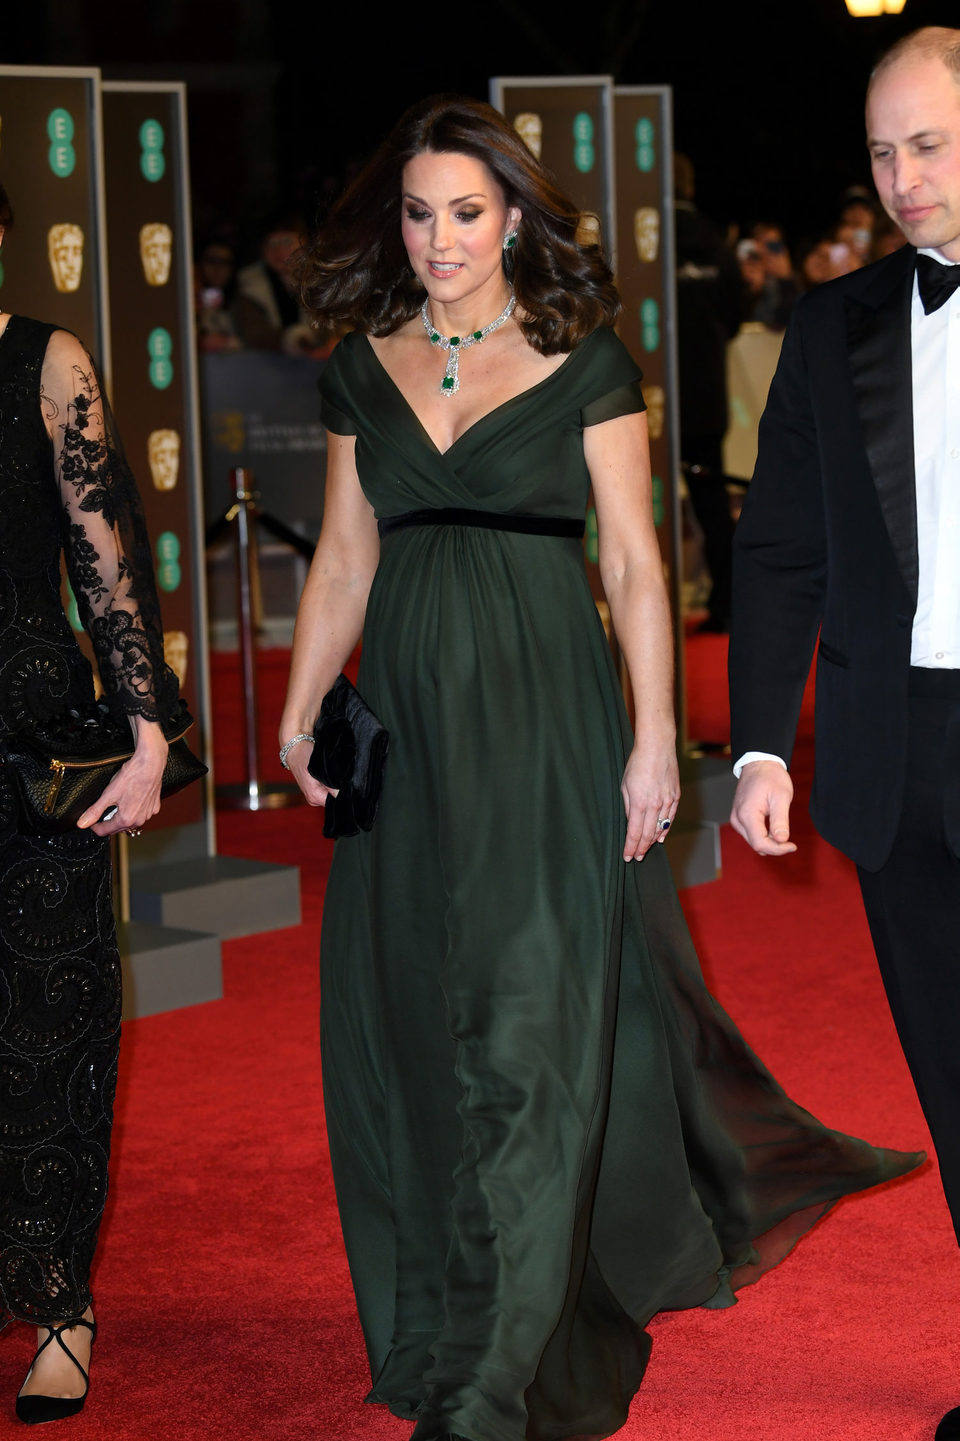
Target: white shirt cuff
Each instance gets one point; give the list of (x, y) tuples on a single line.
[(756, 756)]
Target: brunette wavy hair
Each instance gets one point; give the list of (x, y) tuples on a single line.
[(354, 270)]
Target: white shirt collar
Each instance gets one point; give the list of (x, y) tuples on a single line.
[(935, 255)]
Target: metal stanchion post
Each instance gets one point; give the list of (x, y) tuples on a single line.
[(121, 872), (250, 796)]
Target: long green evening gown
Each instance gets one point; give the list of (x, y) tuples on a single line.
[(543, 1128)]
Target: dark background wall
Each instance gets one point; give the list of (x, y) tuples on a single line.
[(286, 97)]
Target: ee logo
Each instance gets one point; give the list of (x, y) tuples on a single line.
[(591, 539), (152, 161), (168, 561), (650, 325), (159, 347), (584, 155), (644, 137), (657, 501), (73, 615), (61, 156)]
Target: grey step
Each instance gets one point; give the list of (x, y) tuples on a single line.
[(225, 895), (166, 968)]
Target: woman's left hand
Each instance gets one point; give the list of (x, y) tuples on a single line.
[(135, 789), (651, 793)]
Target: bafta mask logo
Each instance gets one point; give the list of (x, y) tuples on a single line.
[(646, 232), (156, 248), (163, 449), (530, 129), (588, 228), (653, 395), (65, 249), (176, 643)]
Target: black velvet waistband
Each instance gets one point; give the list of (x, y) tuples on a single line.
[(936, 683), (567, 527)]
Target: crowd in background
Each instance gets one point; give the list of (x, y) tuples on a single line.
[(746, 277), (251, 302), (862, 232), (255, 306)]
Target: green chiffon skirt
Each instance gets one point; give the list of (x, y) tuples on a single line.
[(544, 1130)]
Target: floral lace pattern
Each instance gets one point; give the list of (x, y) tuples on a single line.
[(64, 487), (108, 552)]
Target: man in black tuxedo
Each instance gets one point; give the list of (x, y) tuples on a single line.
[(852, 529)]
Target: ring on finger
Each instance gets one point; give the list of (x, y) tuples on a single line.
[(134, 831), (664, 823)]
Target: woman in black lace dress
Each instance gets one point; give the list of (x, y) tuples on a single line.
[(64, 487)]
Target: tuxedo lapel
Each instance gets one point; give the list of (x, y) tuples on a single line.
[(878, 340)]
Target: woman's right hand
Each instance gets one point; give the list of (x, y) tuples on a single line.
[(298, 758), (651, 793), (133, 794)]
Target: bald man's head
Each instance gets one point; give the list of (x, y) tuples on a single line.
[(913, 135), (933, 42)]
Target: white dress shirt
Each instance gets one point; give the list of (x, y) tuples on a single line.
[(935, 361), (935, 347)]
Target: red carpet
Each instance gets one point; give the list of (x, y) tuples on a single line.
[(223, 1296)]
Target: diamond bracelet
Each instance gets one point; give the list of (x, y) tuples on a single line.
[(289, 745)]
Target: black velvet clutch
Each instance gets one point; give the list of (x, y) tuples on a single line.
[(349, 753), (59, 770)]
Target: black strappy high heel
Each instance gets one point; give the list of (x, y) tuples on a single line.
[(33, 1409)]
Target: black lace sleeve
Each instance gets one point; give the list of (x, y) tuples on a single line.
[(105, 536)]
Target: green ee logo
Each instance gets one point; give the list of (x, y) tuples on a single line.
[(168, 561), (650, 325), (152, 161), (644, 136), (657, 501), (584, 155), (159, 347), (591, 538), (61, 156), (73, 615)]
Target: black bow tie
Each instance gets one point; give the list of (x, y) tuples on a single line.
[(935, 282)]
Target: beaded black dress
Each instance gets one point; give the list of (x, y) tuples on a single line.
[(59, 966)]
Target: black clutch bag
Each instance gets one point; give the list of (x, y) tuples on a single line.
[(349, 753), (60, 770)]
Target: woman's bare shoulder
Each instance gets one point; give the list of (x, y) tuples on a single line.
[(66, 357)]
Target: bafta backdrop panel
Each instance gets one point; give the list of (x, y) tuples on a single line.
[(151, 341)]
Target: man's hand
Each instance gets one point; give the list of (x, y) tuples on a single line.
[(761, 808)]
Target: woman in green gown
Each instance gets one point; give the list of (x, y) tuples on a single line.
[(543, 1128)]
